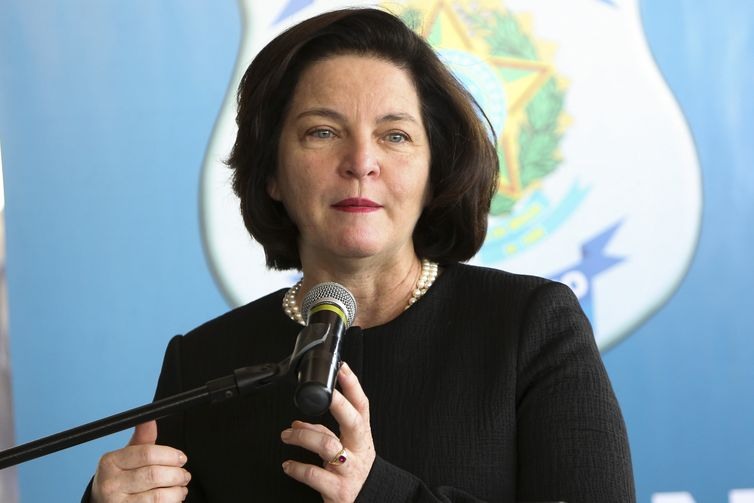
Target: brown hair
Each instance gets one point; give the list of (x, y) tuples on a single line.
[(464, 163)]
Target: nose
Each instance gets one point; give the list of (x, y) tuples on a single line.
[(360, 159)]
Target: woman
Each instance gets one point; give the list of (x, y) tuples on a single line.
[(359, 159)]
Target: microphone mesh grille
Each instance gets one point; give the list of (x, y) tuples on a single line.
[(330, 292)]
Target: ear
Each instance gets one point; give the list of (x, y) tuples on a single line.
[(272, 189)]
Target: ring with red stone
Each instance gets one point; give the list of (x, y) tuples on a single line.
[(339, 458)]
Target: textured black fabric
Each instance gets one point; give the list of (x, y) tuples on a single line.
[(490, 388)]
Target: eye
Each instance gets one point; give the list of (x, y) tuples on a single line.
[(396, 137), (321, 133)]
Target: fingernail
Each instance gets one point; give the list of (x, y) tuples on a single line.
[(346, 369), (286, 466), (187, 476), (286, 434), (182, 458)]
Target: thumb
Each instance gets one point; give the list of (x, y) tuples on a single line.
[(144, 433)]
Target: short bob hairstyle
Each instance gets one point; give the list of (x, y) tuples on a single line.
[(464, 163)]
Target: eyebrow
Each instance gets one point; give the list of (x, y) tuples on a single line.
[(332, 114)]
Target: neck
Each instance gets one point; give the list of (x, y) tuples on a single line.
[(381, 288)]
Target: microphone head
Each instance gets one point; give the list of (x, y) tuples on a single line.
[(330, 293)]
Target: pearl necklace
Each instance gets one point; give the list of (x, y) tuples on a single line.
[(289, 303), (427, 276)]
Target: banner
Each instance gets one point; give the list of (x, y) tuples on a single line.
[(624, 140)]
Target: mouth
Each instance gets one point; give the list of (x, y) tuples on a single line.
[(356, 205)]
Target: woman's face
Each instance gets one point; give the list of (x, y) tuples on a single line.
[(353, 160)]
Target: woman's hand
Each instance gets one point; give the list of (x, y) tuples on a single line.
[(141, 471), (348, 460)]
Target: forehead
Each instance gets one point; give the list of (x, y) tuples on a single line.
[(353, 80)]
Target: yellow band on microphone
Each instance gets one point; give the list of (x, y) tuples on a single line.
[(330, 307)]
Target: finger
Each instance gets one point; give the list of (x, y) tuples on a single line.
[(351, 388), (154, 477), (354, 427), (137, 456), (314, 427), (163, 495), (324, 444), (317, 478), (145, 433)]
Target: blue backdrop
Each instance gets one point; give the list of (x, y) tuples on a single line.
[(106, 109)]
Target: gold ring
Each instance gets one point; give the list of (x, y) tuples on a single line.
[(339, 458)]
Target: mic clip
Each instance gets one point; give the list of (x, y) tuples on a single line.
[(309, 337)]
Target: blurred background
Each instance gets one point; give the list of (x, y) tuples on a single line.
[(114, 115)]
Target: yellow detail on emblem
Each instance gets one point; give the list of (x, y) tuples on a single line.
[(530, 213), (534, 235)]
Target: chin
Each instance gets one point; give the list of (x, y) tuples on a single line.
[(359, 241), (359, 248), (358, 251)]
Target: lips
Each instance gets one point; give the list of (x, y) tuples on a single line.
[(357, 205)]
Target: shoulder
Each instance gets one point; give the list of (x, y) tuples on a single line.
[(494, 301), (529, 308), (261, 312), (493, 277), (495, 286)]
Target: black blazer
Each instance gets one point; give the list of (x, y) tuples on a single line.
[(490, 388)]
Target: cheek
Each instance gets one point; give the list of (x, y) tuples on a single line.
[(285, 180), (299, 196), (420, 191), (418, 183), (413, 197)]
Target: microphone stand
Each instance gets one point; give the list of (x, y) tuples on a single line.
[(243, 381)]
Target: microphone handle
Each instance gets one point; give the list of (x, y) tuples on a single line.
[(318, 369)]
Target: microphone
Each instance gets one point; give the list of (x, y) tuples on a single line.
[(329, 309)]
